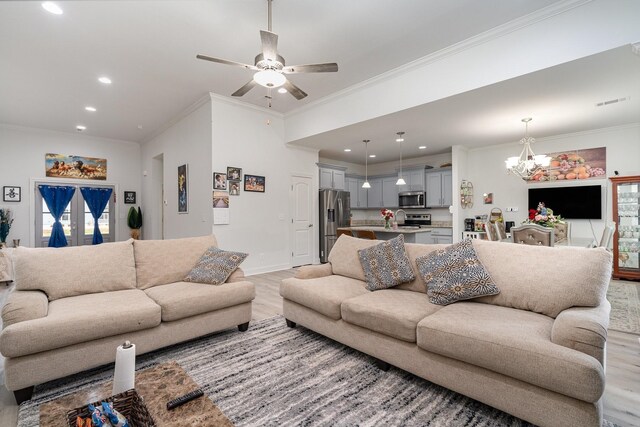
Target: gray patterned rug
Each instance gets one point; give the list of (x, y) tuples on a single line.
[(276, 376), (625, 306)]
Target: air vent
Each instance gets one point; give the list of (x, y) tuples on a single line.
[(612, 101)]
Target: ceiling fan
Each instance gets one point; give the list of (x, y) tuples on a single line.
[(270, 67)]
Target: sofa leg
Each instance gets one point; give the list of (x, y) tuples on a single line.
[(383, 366), (23, 394), (244, 327), (290, 323)]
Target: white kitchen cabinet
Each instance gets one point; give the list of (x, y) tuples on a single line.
[(358, 194), (332, 178), (389, 192), (374, 194), (439, 188)]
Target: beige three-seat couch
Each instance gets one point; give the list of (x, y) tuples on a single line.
[(536, 350), (72, 307)]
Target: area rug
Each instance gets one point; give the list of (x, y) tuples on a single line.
[(276, 376), (625, 306)]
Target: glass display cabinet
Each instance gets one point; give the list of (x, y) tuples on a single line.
[(626, 239)]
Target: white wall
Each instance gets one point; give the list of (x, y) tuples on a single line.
[(186, 141), (252, 138), (23, 159), (486, 169)]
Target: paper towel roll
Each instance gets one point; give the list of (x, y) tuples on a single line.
[(124, 375)]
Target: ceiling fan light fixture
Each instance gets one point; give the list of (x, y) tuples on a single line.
[(282, 90), (269, 78)]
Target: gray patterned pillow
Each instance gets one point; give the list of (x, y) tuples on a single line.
[(215, 266), (454, 274), (386, 265)]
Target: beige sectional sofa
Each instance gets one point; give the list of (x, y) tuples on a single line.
[(72, 307), (536, 350)]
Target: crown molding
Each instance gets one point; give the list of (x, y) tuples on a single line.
[(484, 37)]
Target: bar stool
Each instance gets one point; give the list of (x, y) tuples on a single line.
[(366, 234), (346, 232)]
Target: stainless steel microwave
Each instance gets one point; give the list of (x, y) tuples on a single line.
[(411, 200)]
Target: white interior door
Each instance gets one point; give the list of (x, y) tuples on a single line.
[(301, 221)]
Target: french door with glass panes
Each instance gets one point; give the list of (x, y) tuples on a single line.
[(76, 220)]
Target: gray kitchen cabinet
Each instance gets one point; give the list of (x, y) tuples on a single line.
[(424, 238), (442, 236), (414, 178), (362, 194), (332, 177), (389, 192), (358, 194), (374, 194), (439, 188)]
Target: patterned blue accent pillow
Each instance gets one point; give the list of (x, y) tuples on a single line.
[(215, 266), (454, 274), (386, 265)]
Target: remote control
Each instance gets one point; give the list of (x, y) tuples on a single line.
[(184, 399)]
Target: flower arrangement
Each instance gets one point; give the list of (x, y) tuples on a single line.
[(543, 216), (6, 219), (387, 215)]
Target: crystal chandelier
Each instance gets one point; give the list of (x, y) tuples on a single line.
[(527, 164)]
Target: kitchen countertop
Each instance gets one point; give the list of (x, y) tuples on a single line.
[(379, 229)]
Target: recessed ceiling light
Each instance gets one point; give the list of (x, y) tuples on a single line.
[(282, 90), (372, 155), (104, 80), (51, 7), (422, 147), (347, 150), (90, 108), (80, 128)]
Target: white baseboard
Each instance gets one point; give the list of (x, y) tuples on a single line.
[(266, 269)]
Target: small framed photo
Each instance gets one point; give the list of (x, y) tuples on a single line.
[(254, 183), (219, 181), (11, 194), (234, 174), (234, 188), (130, 197)]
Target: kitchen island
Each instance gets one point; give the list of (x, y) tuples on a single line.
[(425, 235)]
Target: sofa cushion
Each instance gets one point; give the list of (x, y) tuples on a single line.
[(454, 273), (324, 294), (579, 276), (215, 266), (386, 264), (24, 305), (512, 342), (391, 312), (77, 270), (159, 262), (344, 256), (185, 299), (79, 319), (414, 251)]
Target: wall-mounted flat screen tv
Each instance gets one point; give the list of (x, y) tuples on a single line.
[(579, 202)]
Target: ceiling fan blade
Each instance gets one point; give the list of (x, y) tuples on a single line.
[(227, 62), (244, 89), (294, 90), (269, 45), (330, 67)]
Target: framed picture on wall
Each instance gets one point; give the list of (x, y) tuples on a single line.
[(11, 194), (219, 181), (183, 189), (234, 174), (254, 183), (130, 197), (234, 188)]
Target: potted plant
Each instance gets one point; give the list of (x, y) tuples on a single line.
[(5, 225), (134, 221)]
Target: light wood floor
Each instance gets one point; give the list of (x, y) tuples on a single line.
[(621, 397)]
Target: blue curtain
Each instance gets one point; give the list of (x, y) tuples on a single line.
[(57, 198), (97, 199)]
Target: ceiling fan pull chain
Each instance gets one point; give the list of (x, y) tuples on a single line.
[(269, 11)]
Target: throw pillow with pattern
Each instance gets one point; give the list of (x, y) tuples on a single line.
[(215, 266), (455, 274), (386, 265)]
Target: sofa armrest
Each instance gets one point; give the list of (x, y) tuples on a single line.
[(24, 305), (314, 271), (236, 276), (583, 329)]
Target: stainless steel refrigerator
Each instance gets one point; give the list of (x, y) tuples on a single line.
[(335, 211)]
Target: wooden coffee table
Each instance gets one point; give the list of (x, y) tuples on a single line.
[(157, 385)]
